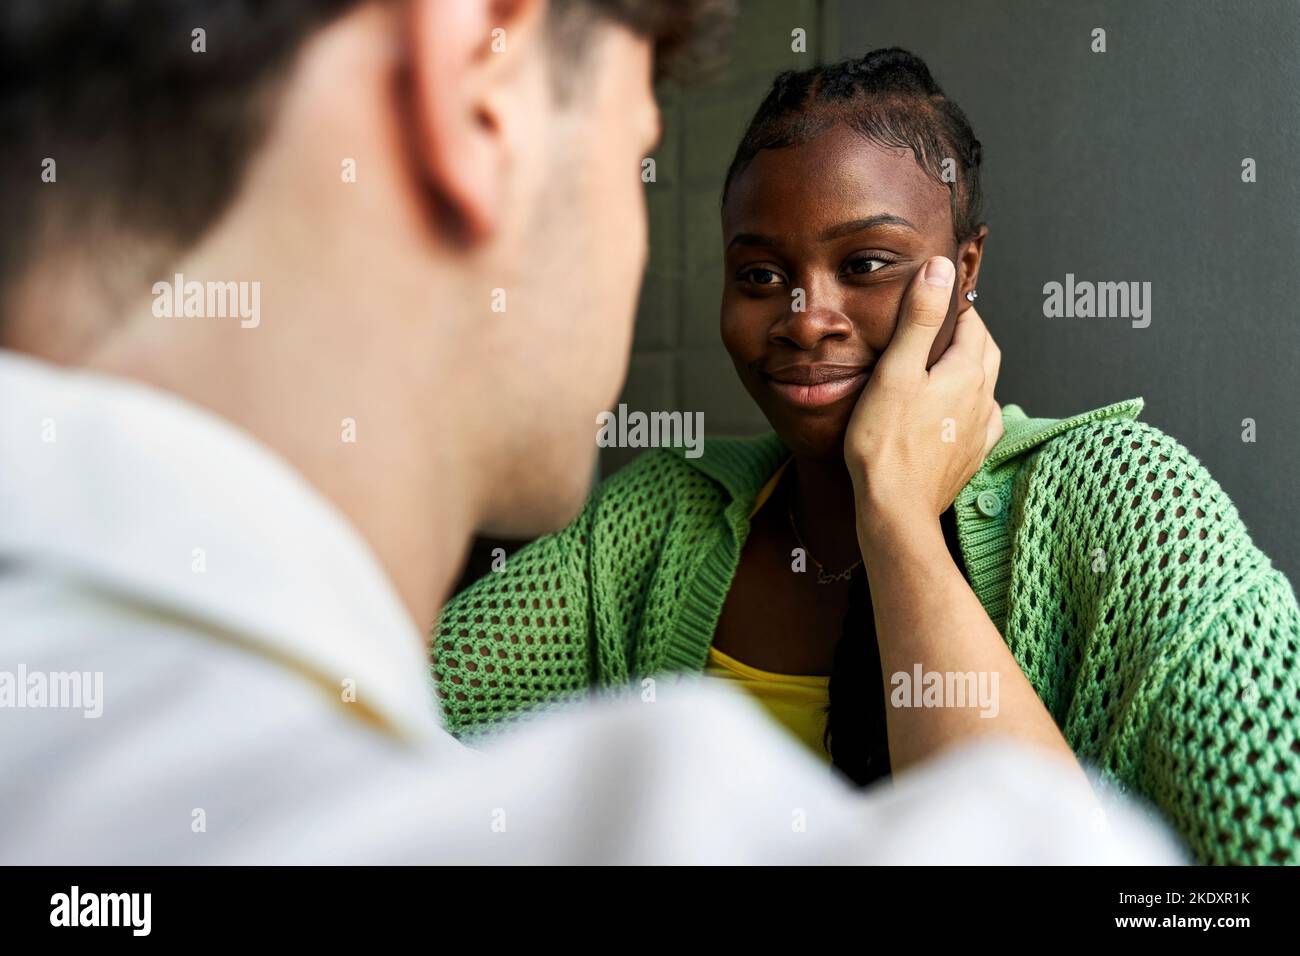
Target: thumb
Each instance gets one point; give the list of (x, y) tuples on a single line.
[(921, 314)]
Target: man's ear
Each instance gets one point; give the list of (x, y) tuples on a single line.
[(468, 87), (969, 256)]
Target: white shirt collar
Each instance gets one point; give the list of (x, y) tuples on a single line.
[(117, 484)]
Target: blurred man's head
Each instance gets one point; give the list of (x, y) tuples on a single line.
[(439, 199)]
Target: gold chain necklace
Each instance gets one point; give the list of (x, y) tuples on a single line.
[(823, 576)]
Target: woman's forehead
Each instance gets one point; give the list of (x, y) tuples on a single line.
[(838, 176)]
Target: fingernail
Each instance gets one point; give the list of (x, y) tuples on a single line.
[(939, 271)]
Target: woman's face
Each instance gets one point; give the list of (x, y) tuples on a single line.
[(821, 242)]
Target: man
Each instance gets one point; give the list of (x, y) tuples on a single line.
[(292, 305)]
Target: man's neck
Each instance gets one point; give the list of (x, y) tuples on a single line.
[(367, 440)]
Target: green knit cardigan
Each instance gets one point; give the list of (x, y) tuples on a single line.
[(1160, 639)]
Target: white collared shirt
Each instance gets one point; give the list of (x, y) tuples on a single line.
[(202, 661)]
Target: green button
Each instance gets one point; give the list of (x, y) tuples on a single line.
[(989, 504)]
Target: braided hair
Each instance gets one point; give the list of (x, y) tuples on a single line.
[(890, 98)]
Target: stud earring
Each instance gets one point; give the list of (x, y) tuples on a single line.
[(972, 295)]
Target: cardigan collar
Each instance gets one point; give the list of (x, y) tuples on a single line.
[(1022, 433), (983, 507), (743, 465)]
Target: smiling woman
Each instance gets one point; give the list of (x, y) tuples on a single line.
[(834, 201), (847, 180), (1088, 571)]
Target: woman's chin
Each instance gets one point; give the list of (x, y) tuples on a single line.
[(810, 433), (813, 440)]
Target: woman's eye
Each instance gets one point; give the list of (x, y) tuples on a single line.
[(757, 275), (864, 265)]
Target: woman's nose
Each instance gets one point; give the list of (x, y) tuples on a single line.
[(815, 313)]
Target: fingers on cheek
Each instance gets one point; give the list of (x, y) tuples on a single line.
[(941, 343), (944, 338)]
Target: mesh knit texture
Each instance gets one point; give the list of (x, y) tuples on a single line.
[(1159, 638)]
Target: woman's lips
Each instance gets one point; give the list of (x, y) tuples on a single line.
[(811, 386)]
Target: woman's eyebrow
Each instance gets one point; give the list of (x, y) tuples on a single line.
[(860, 225), (751, 239), (834, 232)]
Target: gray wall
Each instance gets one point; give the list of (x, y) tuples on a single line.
[(1126, 165)]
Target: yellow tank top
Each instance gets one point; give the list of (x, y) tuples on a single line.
[(796, 701)]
